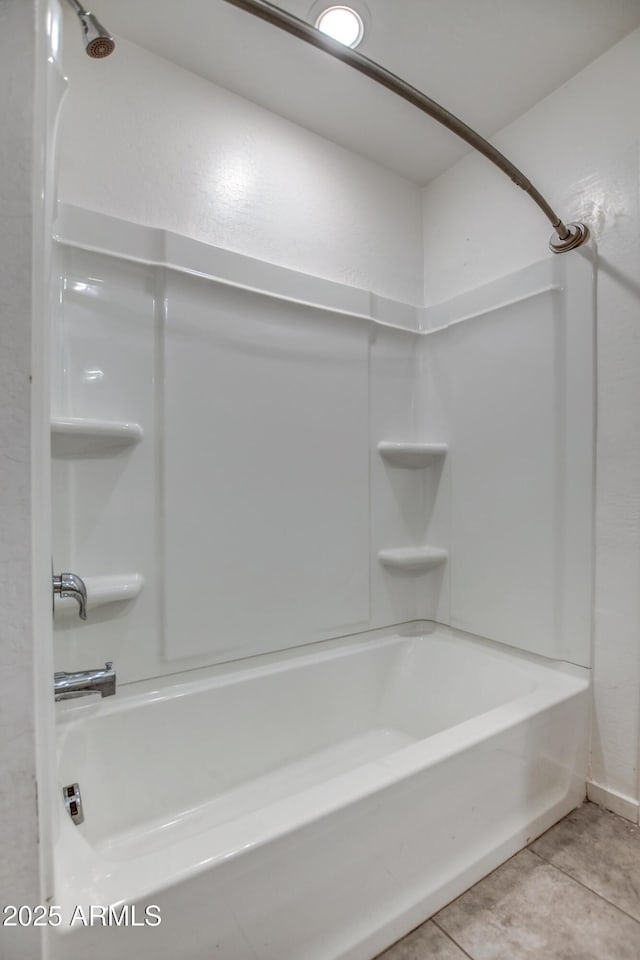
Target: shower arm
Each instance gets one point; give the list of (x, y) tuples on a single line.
[(566, 237)]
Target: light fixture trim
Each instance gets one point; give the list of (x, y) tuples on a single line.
[(343, 23)]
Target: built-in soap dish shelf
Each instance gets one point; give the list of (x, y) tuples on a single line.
[(410, 454), (412, 560), (79, 436), (113, 588)]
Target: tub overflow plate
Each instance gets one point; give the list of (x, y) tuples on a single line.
[(73, 802)]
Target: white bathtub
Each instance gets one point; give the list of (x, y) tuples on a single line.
[(312, 805)]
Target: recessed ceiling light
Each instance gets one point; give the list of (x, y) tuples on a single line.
[(343, 24)]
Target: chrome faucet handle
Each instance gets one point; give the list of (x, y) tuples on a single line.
[(71, 585)]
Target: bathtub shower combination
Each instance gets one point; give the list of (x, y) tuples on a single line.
[(337, 552)]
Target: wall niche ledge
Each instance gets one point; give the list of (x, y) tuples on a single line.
[(410, 454), (412, 560), (79, 436)]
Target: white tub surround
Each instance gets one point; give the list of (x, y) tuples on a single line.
[(401, 767), (351, 461), (263, 392), (508, 374)]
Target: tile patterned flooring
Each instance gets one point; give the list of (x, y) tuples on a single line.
[(573, 894)]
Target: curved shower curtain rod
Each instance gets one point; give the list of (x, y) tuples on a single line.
[(566, 237)]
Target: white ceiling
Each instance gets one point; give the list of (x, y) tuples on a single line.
[(486, 60)]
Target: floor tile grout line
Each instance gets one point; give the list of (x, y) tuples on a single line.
[(543, 859), (583, 885), (449, 937)]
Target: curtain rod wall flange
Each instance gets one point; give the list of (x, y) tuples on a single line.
[(566, 237)]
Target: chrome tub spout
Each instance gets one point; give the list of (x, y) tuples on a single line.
[(85, 682)]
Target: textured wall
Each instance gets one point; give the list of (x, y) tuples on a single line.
[(18, 820), (580, 146), (147, 141)]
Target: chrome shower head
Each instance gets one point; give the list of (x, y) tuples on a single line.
[(98, 42)]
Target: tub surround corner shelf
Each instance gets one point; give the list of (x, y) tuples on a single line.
[(107, 589), (412, 559), (410, 454), (76, 436)]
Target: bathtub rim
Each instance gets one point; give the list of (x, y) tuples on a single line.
[(186, 683)]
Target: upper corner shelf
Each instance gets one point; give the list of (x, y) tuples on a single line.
[(412, 560), (409, 454), (73, 436)]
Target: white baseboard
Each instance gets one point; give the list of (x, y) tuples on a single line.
[(618, 803)]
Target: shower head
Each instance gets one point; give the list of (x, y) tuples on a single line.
[(98, 42)]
